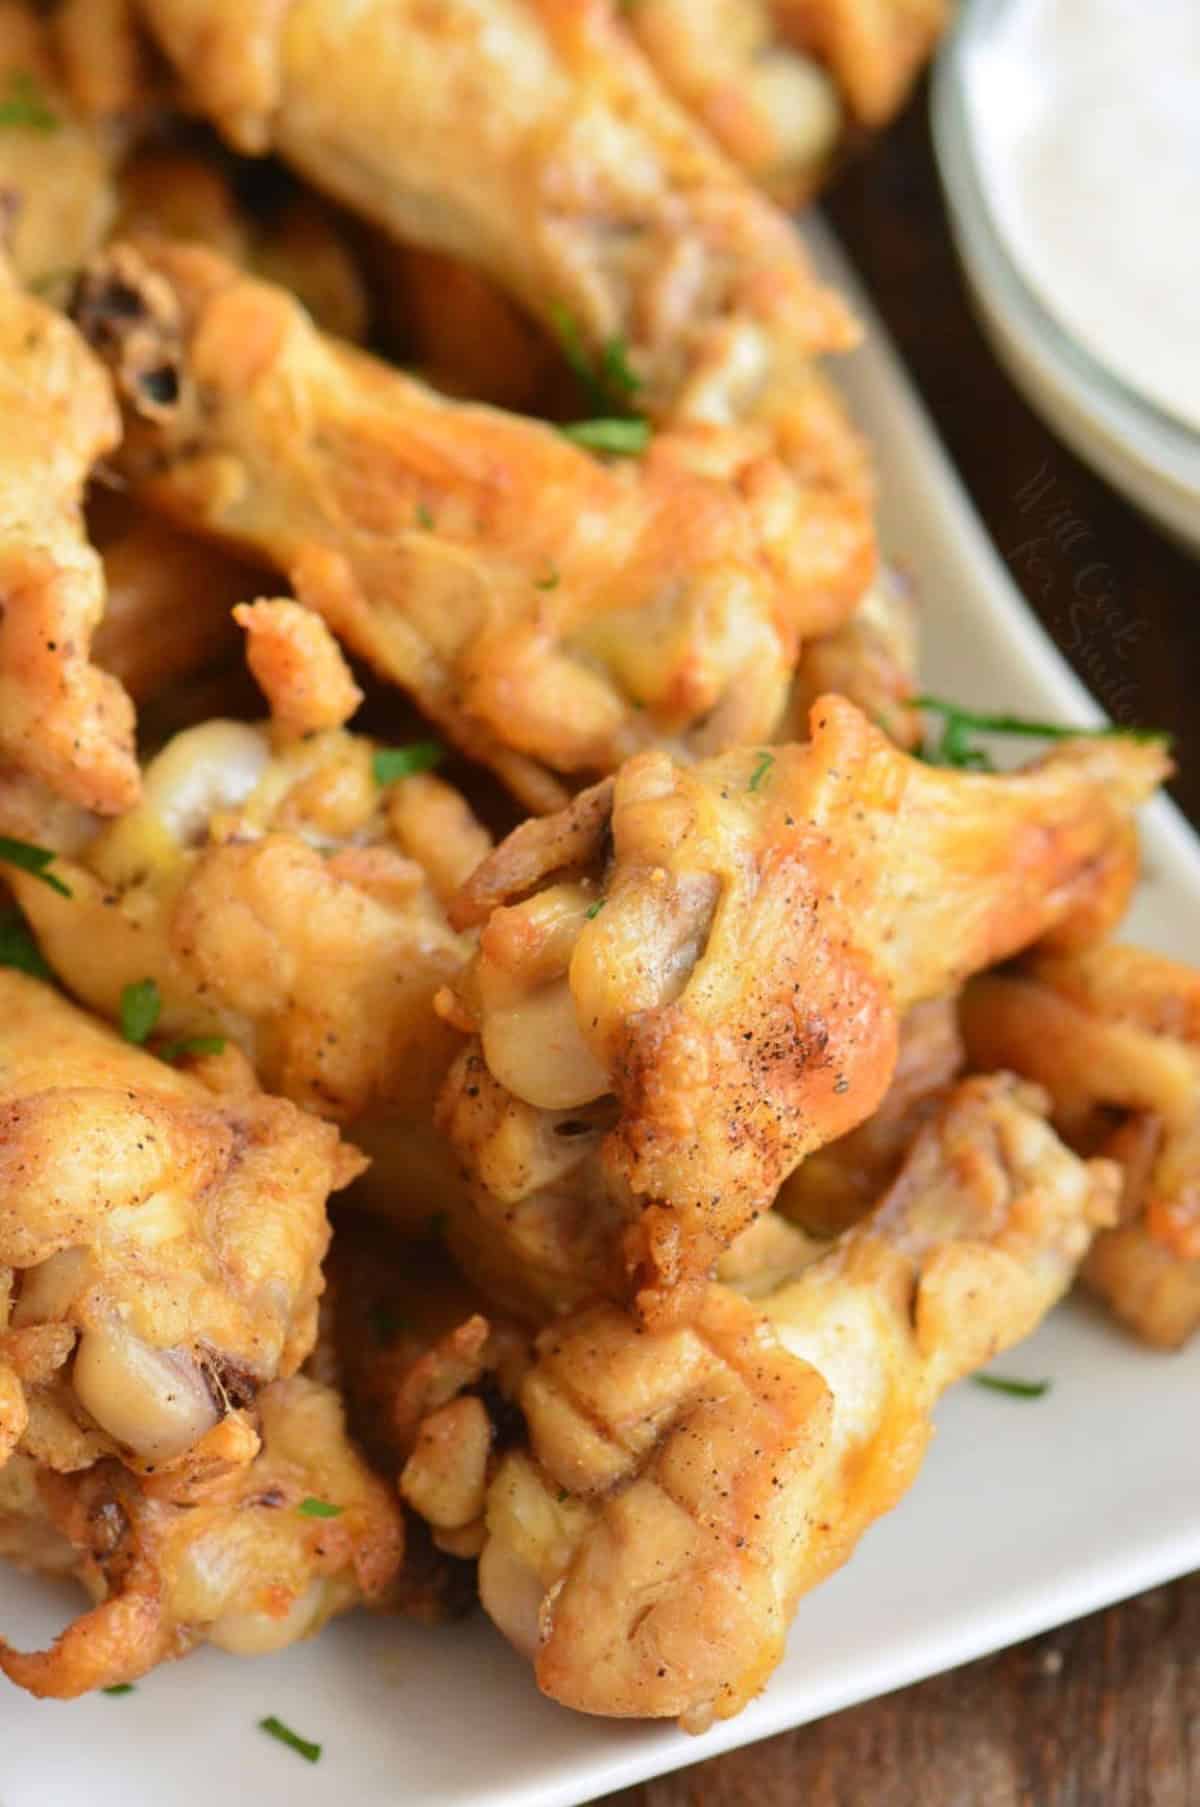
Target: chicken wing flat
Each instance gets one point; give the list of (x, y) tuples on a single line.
[(873, 48), (242, 1562), (733, 972), (61, 719), (1116, 1028), (551, 612), (681, 1490), (160, 1243), (530, 138)]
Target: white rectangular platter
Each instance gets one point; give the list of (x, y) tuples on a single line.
[(1025, 1515)]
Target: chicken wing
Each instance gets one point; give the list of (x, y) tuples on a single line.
[(243, 1562), (733, 972), (165, 1239), (873, 48), (551, 612), (61, 719), (1116, 1028), (682, 1489)]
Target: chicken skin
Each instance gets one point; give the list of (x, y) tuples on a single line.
[(725, 950), (161, 1240), (62, 720), (682, 1489), (1116, 1028), (242, 1561)]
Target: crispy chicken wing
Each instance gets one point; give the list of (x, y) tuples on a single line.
[(552, 613), (164, 1238), (682, 1489), (61, 719), (530, 138), (873, 48), (240, 1561), (1116, 1028), (732, 971)]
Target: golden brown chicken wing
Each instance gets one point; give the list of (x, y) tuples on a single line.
[(61, 720), (1116, 1028), (163, 1236), (250, 1562), (682, 1489), (725, 949), (551, 612), (873, 48)]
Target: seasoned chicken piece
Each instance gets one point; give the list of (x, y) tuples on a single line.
[(775, 111), (872, 659), (61, 720), (168, 598), (56, 171), (527, 137), (835, 1185), (250, 1562), (682, 1489), (733, 972), (1116, 1028), (165, 1238), (551, 612), (279, 895), (873, 48)]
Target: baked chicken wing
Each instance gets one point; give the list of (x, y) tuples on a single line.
[(682, 1489), (62, 720), (161, 1242), (1116, 1029), (243, 1562), (725, 950)]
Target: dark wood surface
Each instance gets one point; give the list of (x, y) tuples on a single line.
[(1105, 1712)]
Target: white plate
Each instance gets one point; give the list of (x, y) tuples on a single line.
[(1026, 1513)]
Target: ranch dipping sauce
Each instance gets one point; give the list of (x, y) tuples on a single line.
[(1085, 116)]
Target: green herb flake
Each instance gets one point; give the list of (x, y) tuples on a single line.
[(575, 352), (620, 378), (563, 1495), (549, 582), (192, 1044), (313, 1508), (593, 910), (391, 763), (765, 762), (141, 1006), (33, 860), (620, 438), (1016, 1389), (304, 1747), (953, 746), (18, 949), (425, 517), (24, 104), (119, 1688)]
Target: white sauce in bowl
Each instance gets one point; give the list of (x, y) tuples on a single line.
[(1086, 121)]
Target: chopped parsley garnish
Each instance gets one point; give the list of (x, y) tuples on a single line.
[(31, 859), (619, 377), (18, 948), (1016, 1389), (24, 104), (623, 438), (425, 517), (549, 582), (765, 762), (953, 745), (312, 1508), (304, 1747), (593, 910), (391, 763), (119, 1688), (141, 1007), (193, 1044)]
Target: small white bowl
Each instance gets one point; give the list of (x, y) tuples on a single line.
[(1152, 457)]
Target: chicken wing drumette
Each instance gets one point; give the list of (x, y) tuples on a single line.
[(1116, 1029), (705, 972), (681, 1489), (245, 1561), (161, 1240)]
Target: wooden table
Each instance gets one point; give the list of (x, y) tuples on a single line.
[(1105, 1712)]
